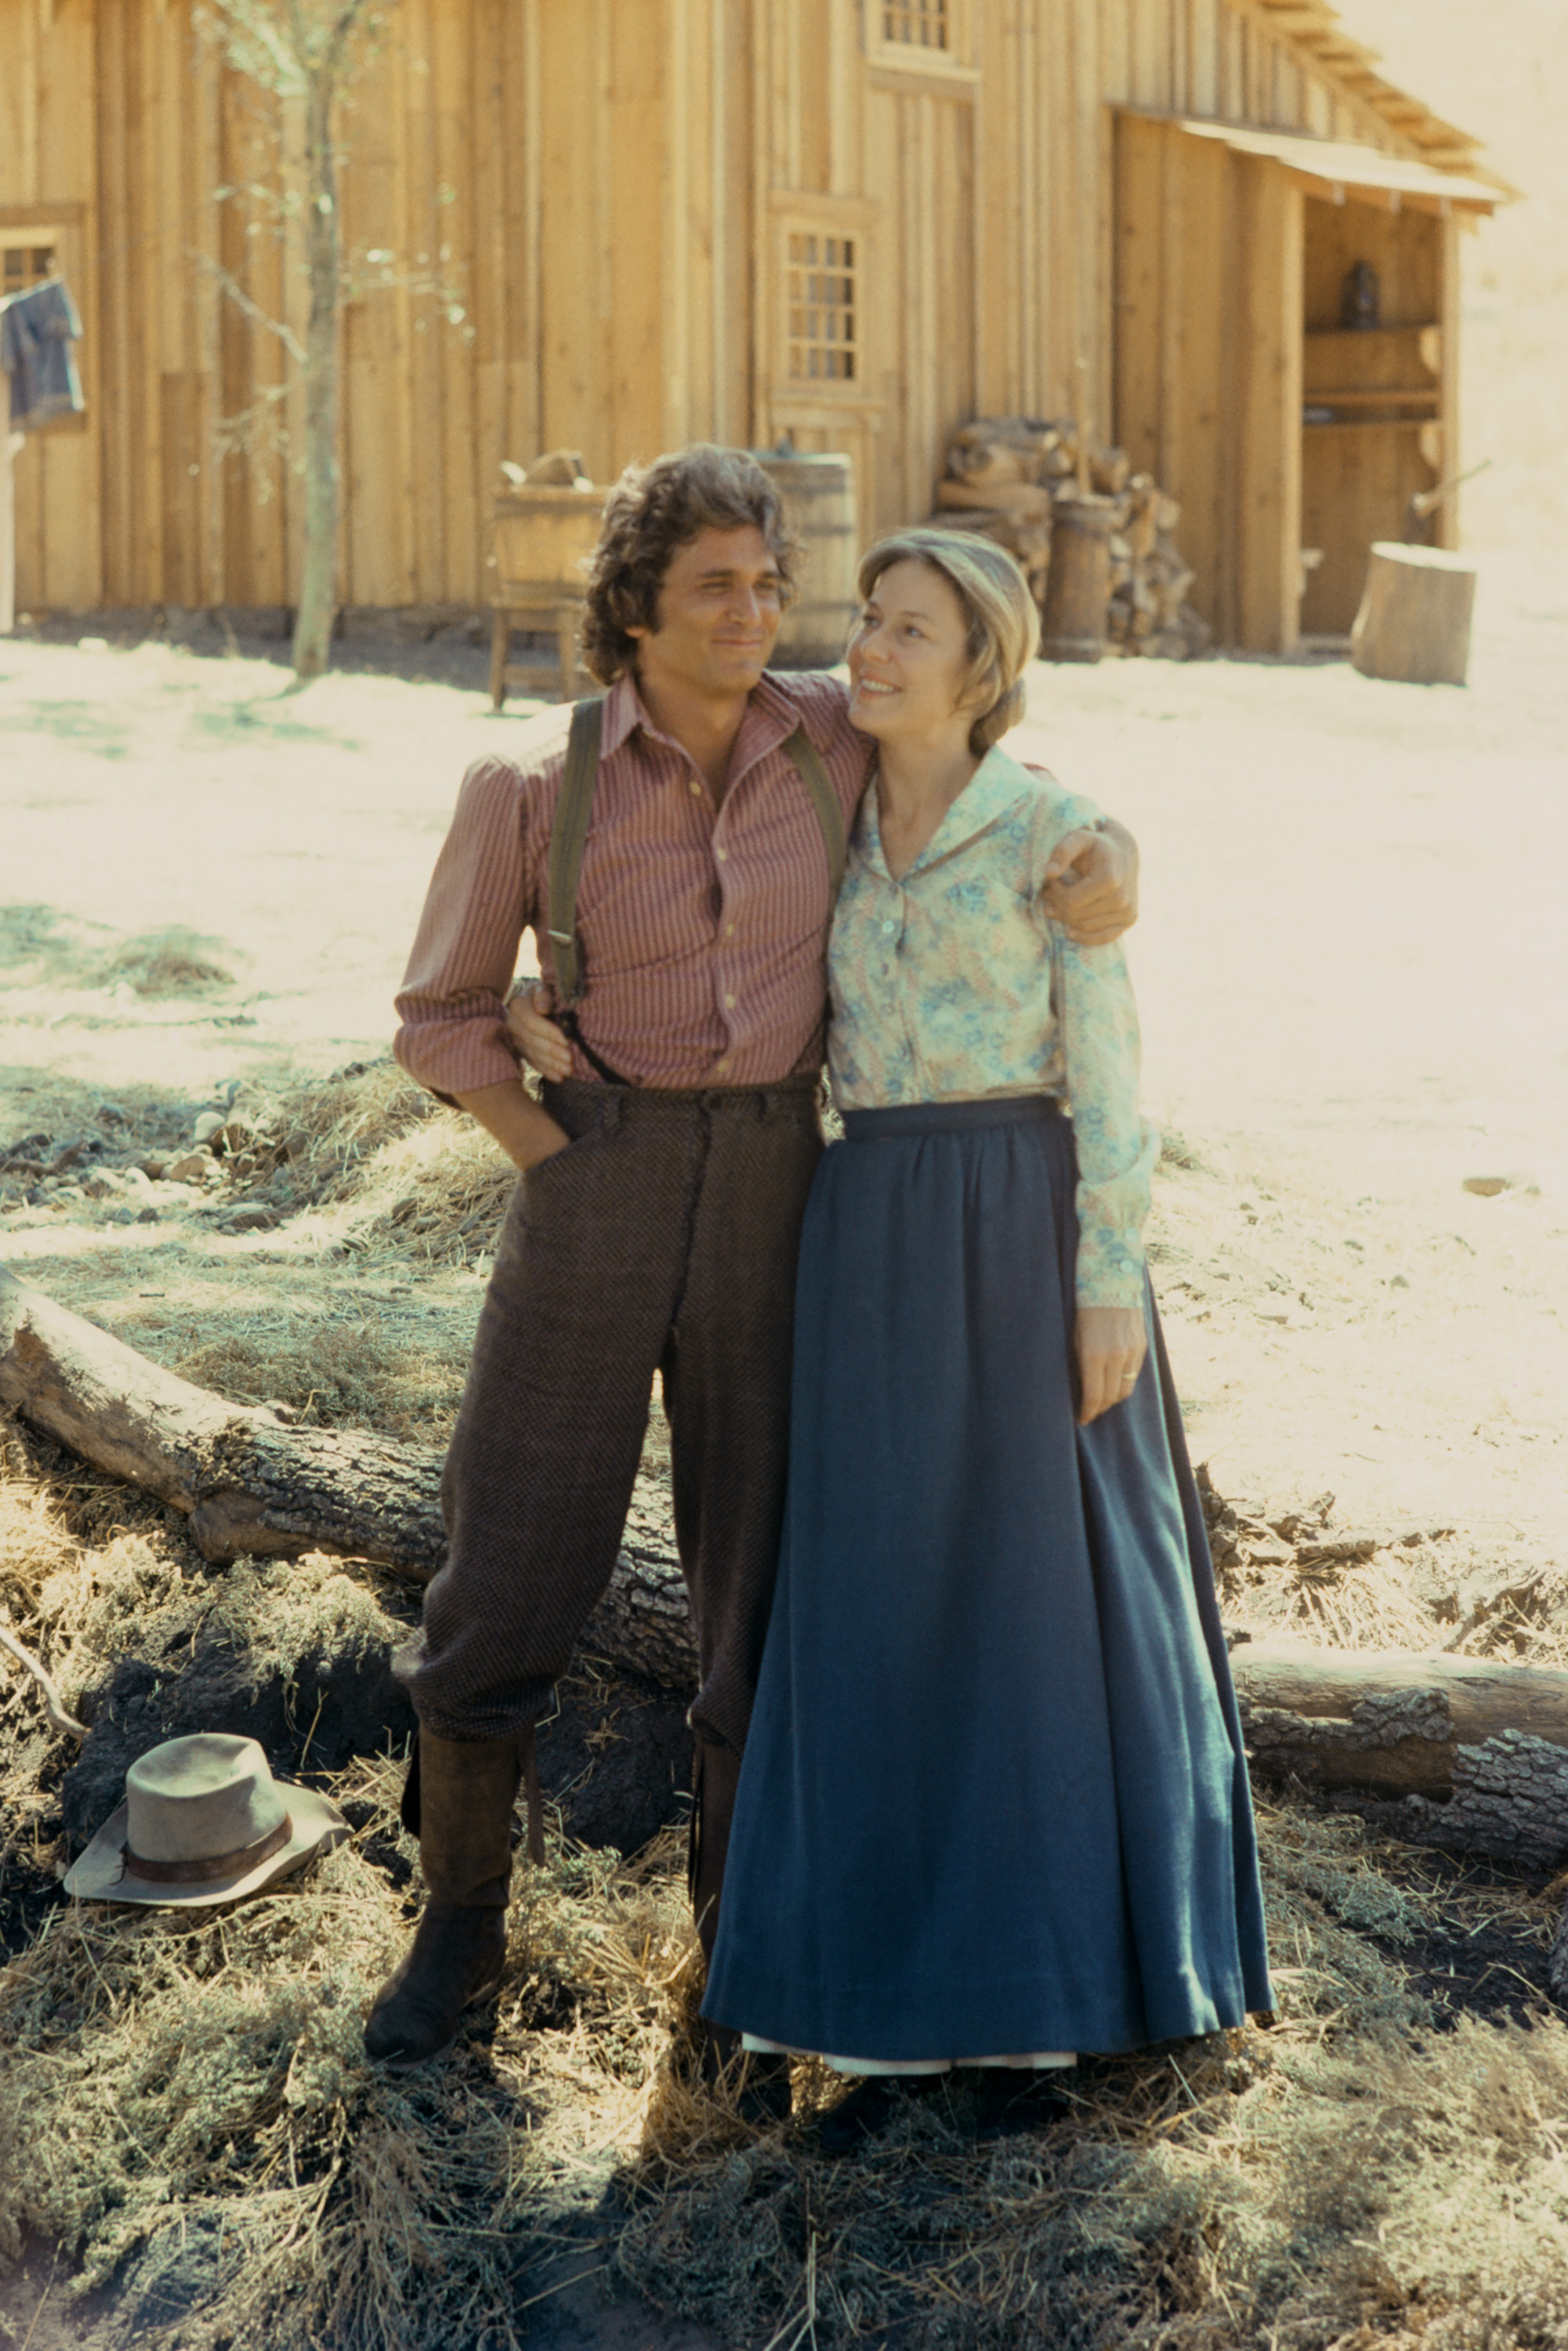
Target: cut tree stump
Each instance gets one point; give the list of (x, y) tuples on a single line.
[(254, 1487), (1457, 1752), (1415, 619)]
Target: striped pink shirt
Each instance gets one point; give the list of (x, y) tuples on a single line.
[(702, 929)]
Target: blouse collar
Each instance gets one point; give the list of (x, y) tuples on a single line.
[(996, 783)]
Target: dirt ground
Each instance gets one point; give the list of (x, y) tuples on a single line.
[(1352, 970)]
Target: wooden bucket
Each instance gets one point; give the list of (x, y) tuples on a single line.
[(544, 539), (1415, 619), (1078, 585), (819, 495)]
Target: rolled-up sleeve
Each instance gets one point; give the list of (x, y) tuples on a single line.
[(452, 1003)]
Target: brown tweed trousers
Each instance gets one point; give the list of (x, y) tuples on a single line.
[(663, 1238)]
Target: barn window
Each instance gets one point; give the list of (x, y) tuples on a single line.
[(916, 23), (820, 290), (24, 265)]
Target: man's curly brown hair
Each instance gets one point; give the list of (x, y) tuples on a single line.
[(651, 511)]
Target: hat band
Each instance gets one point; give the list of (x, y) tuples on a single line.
[(220, 1864)]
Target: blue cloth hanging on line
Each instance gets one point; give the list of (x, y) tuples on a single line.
[(38, 332)]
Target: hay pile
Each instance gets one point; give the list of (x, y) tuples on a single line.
[(186, 2105)]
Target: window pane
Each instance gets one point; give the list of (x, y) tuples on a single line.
[(27, 264), (918, 24), (819, 301)]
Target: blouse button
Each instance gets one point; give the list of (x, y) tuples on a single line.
[(888, 929)]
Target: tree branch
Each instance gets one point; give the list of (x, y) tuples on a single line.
[(54, 1705), (229, 284)]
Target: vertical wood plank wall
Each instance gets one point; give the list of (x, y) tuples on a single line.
[(601, 187)]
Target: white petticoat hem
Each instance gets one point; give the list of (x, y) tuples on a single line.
[(1040, 2060)]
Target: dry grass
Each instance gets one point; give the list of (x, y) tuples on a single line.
[(185, 2107), (186, 2104), (1348, 2178), (171, 962)]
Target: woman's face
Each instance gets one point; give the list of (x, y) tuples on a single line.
[(908, 657)]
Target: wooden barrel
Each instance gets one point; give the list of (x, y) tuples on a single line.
[(818, 496), (1078, 585), (1415, 619)]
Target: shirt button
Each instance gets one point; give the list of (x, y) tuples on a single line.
[(721, 1068), (889, 928), (695, 788), (721, 854), (729, 930), (729, 1004)]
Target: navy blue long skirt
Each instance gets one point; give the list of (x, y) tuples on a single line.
[(994, 1798)]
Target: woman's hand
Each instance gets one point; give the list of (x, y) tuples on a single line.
[(1112, 1342), (523, 1127), (535, 1034)]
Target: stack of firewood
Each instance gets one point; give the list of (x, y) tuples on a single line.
[(1004, 475)]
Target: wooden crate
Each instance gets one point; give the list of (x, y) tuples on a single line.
[(542, 540)]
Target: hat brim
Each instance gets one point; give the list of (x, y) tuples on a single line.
[(100, 1875)]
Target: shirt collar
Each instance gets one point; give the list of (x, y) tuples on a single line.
[(996, 783), (771, 718)]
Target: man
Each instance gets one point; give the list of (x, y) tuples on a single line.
[(663, 1180)]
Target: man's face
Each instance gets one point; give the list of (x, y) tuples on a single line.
[(718, 613)]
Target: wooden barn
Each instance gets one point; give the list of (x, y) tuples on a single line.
[(623, 224)]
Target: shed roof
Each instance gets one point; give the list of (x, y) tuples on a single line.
[(1346, 168), (1316, 32)]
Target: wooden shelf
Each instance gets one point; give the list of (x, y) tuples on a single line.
[(1363, 423), (1367, 334), (1424, 395)]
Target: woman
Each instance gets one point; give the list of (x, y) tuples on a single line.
[(994, 1806)]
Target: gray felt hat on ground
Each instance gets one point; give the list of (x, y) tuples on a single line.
[(204, 1820)]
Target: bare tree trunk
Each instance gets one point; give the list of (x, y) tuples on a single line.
[(318, 592)]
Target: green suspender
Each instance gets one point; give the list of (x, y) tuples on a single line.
[(570, 833), (807, 761)]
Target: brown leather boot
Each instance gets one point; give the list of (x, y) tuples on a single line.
[(460, 1796), (762, 2083)]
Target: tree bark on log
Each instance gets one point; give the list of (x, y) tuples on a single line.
[(253, 1486), (1457, 1752)]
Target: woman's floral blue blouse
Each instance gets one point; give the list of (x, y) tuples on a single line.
[(951, 984)]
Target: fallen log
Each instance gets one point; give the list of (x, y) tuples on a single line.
[(1463, 1753), (255, 1485), (1455, 1751)]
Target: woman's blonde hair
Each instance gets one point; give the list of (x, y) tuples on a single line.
[(999, 614)]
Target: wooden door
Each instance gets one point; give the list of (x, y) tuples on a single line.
[(1207, 365)]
